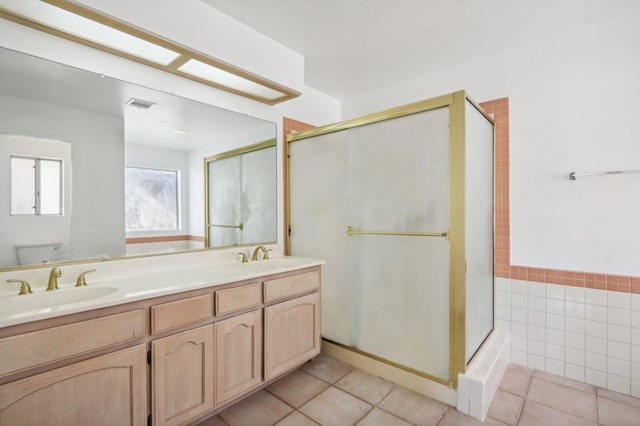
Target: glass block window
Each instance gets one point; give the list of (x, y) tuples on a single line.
[(151, 199), (36, 186)]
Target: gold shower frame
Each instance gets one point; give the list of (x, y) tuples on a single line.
[(456, 234)]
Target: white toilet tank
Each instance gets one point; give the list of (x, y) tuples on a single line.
[(29, 253)]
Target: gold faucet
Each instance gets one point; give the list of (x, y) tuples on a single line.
[(25, 288), (82, 281), (259, 249), (53, 278)]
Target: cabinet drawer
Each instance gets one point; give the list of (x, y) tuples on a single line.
[(58, 343), (238, 298), (180, 313), (283, 288)]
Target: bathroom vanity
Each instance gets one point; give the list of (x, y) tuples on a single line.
[(166, 354)]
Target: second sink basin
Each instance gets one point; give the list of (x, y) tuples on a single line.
[(48, 301), (275, 263)]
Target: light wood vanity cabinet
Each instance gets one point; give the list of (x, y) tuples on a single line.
[(180, 313), (291, 335), (206, 349), (182, 376), (238, 355), (292, 328), (240, 298), (107, 390)]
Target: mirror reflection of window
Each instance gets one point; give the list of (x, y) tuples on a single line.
[(36, 186), (151, 199)]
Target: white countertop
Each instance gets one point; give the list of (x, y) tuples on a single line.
[(107, 292)]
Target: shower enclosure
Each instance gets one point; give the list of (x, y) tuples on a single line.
[(400, 205)]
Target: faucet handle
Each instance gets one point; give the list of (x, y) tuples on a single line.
[(265, 256), (245, 259), (25, 288), (81, 281)]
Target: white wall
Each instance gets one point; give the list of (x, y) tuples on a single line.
[(572, 108), (97, 151), (139, 155)]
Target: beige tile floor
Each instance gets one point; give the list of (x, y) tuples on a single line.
[(328, 392), (531, 397)]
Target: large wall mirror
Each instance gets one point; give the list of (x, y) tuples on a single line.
[(92, 166)]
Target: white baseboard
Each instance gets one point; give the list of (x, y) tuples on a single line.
[(478, 385)]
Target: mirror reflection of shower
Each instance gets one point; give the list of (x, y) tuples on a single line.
[(241, 205)]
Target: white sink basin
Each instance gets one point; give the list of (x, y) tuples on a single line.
[(268, 264), (50, 301)]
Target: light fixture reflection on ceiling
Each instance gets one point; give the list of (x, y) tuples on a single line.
[(81, 24), (181, 132)]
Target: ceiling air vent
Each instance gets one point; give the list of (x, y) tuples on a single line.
[(139, 103)]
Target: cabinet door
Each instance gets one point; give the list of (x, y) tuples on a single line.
[(292, 334), (107, 390), (238, 355), (182, 372)]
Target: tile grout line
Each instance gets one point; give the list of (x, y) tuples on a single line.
[(333, 385), (566, 387), (597, 410), (365, 414), (304, 415), (524, 397), (395, 415), (563, 385), (444, 413), (393, 387)]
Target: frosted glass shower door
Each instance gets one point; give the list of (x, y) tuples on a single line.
[(258, 211), (318, 204), (224, 187), (478, 229), (386, 295), (398, 175)]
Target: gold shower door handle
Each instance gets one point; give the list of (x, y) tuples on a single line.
[(351, 231), (240, 227)]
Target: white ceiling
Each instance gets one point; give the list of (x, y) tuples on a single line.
[(352, 46)]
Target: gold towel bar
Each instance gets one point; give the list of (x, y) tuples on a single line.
[(351, 231), (240, 227)]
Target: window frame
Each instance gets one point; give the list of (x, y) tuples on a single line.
[(37, 208)]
